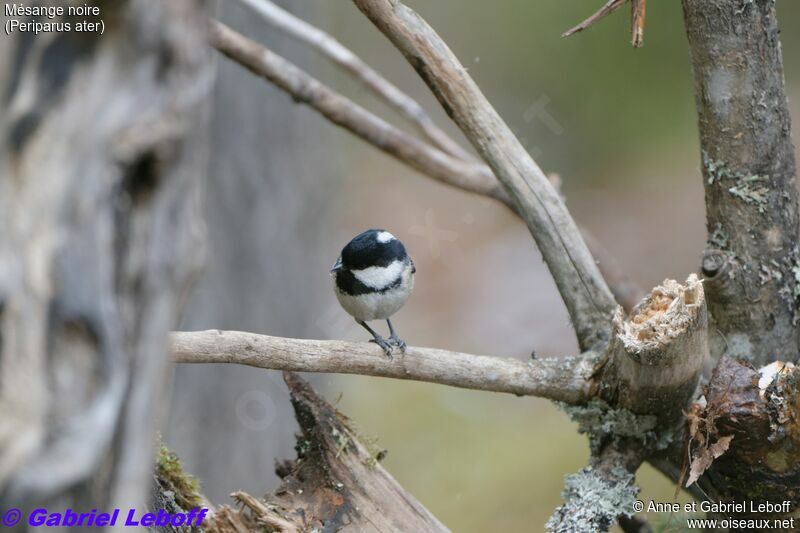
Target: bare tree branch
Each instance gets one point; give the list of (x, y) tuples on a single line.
[(372, 79), (637, 19), (585, 293), (638, 11), (466, 175), (304, 88), (608, 8), (567, 380)]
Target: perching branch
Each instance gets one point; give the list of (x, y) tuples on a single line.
[(585, 293), (344, 112), (565, 380), (372, 79)]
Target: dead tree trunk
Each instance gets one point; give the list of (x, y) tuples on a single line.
[(99, 157)]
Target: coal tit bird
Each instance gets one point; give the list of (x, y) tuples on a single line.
[(373, 278)]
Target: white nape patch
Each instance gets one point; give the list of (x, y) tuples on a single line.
[(384, 236), (378, 277)]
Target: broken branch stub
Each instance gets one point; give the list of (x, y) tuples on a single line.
[(657, 354)]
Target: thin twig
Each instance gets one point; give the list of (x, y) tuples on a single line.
[(344, 112), (588, 300), (345, 58), (638, 10), (603, 12), (263, 514), (567, 380)]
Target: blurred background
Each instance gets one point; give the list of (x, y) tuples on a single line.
[(286, 191)]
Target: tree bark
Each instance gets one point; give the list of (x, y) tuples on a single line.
[(336, 482), (751, 258), (759, 410), (99, 159)]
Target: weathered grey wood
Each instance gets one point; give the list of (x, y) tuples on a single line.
[(336, 482), (751, 258), (567, 380), (100, 151)]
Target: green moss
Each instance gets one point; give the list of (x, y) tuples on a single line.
[(170, 475)]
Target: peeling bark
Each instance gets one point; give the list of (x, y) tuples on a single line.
[(760, 410), (751, 258)]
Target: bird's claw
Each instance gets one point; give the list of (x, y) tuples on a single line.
[(387, 348), (397, 341)]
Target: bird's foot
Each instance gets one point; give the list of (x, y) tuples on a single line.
[(387, 348), (397, 341)]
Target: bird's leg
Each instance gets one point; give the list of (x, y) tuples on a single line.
[(394, 339), (377, 339)]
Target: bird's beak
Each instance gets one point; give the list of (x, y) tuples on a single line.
[(337, 266)]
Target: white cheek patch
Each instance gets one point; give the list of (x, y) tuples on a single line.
[(384, 236), (378, 277)]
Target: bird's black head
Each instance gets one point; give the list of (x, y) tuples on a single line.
[(374, 247)]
